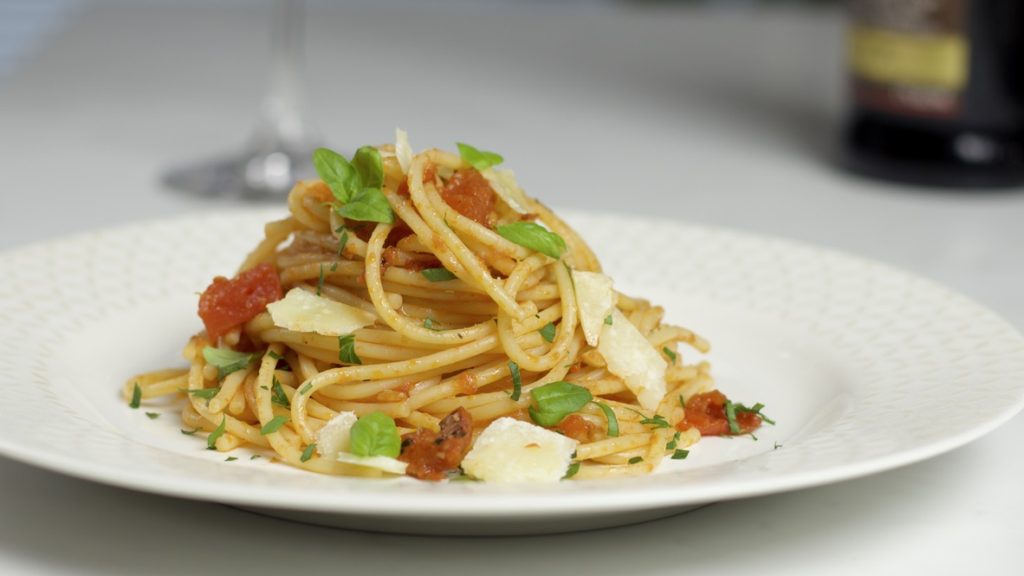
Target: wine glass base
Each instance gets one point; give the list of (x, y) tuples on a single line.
[(257, 175)]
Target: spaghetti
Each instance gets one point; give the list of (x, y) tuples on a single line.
[(408, 302)]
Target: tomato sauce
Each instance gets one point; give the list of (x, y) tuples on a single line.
[(578, 428), (227, 304), (432, 456), (470, 194), (706, 413)]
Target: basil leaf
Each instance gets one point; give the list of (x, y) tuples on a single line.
[(657, 421), (152, 415), (347, 350), (437, 274), (368, 205), (278, 396), (573, 469), (535, 237), (517, 381), (340, 176), (375, 435), (226, 360), (613, 421), (369, 166), (672, 444), (680, 454), (274, 425), (479, 159), (755, 409), (230, 459), (548, 332), (136, 397), (557, 400), (636, 459), (608, 319), (307, 453), (190, 432), (211, 440)]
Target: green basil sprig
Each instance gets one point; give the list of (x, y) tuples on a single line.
[(375, 434), (554, 401), (226, 360), (356, 185), (479, 159), (535, 237)]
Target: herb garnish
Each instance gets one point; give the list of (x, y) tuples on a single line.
[(307, 453), (517, 381), (608, 320), (671, 355), (548, 332), (613, 421), (347, 349), (230, 459), (674, 442), (152, 415), (437, 274), (306, 388), (356, 185), (555, 401), (342, 240), (375, 434), (636, 459), (479, 159), (211, 440), (680, 454), (204, 393), (428, 323), (226, 360), (190, 432), (274, 425), (535, 237), (278, 396), (136, 397), (573, 469), (320, 281)]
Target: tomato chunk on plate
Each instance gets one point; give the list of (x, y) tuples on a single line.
[(706, 412), (227, 304)]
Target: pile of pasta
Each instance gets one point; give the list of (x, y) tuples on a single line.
[(410, 301)]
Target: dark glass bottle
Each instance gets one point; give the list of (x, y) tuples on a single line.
[(937, 91)]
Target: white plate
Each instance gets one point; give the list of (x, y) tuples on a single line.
[(864, 368)]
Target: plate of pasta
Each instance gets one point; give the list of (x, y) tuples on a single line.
[(417, 345)]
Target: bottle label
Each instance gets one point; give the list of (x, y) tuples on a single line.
[(909, 56)]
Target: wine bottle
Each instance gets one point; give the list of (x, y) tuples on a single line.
[(937, 91)]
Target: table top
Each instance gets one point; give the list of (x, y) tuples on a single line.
[(724, 117)]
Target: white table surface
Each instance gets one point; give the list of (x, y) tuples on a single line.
[(721, 117)]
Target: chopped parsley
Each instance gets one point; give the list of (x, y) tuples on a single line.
[(136, 397), (636, 459), (674, 442), (275, 355), (306, 388), (278, 396), (342, 240), (190, 432), (437, 274), (211, 440), (671, 355), (230, 459), (613, 421), (204, 393), (254, 457), (517, 381), (548, 332), (274, 425), (152, 415), (308, 453), (573, 469), (656, 421), (320, 281), (680, 454), (608, 320), (347, 349)]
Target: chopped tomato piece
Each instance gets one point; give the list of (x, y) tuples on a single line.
[(432, 456), (578, 428), (229, 303), (706, 413), (470, 194)]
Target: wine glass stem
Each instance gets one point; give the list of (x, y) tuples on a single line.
[(283, 107)]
